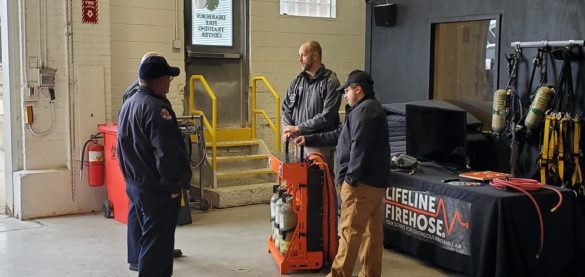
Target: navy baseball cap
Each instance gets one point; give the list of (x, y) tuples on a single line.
[(357, 77), (155, 67)]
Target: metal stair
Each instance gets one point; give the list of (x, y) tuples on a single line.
[(235, 171), (242, 176)]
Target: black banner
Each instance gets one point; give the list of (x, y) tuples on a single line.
[(441, 220)]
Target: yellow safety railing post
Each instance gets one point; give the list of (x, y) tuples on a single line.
[(212, 128), (274, 126), (253, 92)]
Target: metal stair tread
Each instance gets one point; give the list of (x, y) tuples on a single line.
[(232, 143), (242, 157), (237, 173), (241, 187)]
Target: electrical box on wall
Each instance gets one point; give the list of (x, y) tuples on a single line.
[(31, 94), (46, 78)]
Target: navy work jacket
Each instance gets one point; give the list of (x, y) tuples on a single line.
[(151, 150), (363, 148)]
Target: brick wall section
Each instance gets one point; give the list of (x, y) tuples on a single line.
[(275, 41), (91, 47), (137, 27), (128, 29)]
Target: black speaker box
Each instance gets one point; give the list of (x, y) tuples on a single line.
[(385, 14)]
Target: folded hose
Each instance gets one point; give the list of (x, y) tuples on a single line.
[(329, 210), (525, 185)]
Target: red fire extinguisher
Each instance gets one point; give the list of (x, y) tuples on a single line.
[(95, 163)]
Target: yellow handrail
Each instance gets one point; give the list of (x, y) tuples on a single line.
[(210, 127), (274, 127)]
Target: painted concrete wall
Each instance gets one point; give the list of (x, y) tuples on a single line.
[(48, 183), (137, 27), (106, 56)]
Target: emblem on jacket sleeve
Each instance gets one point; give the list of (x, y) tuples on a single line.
[(165, 114)]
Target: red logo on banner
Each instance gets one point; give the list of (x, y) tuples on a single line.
[(89, 11)]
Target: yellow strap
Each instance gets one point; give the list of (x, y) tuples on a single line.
[(561, 148), (554, 138), (577, 178), (544, 152)]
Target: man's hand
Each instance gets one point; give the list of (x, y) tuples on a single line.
[(293, 130), (174, 195), (285, 137), (300, 141)]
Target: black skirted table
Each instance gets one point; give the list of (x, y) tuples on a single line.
[(482, 231)]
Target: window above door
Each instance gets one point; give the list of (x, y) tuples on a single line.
[(310, 8)]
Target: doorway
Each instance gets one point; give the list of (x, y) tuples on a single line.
[(464, 65), (216, 46)]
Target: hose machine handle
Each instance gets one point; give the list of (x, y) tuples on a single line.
[(288, 141)]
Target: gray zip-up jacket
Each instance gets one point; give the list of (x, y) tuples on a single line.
[(312, 104)]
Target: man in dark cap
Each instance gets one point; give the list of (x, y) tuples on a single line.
[(134, 230), (155, 164), (362, 168)]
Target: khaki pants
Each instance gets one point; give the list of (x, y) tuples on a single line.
[(361, 231)]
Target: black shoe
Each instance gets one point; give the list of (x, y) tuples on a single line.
[(177, 253), (133, 267)]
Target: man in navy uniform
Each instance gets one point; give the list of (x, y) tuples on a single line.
[(134, 230), (155, 164)]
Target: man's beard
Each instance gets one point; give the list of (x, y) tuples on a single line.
[(307, 65)]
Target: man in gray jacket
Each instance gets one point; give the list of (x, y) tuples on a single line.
[(362, 168), (312, 102)]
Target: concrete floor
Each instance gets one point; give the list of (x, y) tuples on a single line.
[(226, 242)]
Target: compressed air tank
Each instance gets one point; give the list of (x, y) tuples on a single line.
[(538, 107), (273, 211), (276, 234), (288, 222), (500, 110)]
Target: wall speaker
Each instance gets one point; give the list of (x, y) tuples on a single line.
[(385, 14)]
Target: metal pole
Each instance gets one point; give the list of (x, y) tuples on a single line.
[(545, 43)]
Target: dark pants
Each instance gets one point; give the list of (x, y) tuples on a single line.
[(134, 234), (157, 215)]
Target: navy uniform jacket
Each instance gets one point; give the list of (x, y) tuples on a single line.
[(151, 151), (130, 91), (363, 150), (312, 103)]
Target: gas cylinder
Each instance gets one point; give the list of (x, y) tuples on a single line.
[(277, 218), (288, 222), (500, 110), (538, 107), (273, 200)]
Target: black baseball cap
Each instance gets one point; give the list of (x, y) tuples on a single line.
[(155, 67), (357, 77)]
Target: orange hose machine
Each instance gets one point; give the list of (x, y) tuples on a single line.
[(311, 194)]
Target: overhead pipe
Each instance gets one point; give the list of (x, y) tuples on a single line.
[(546, 43)]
